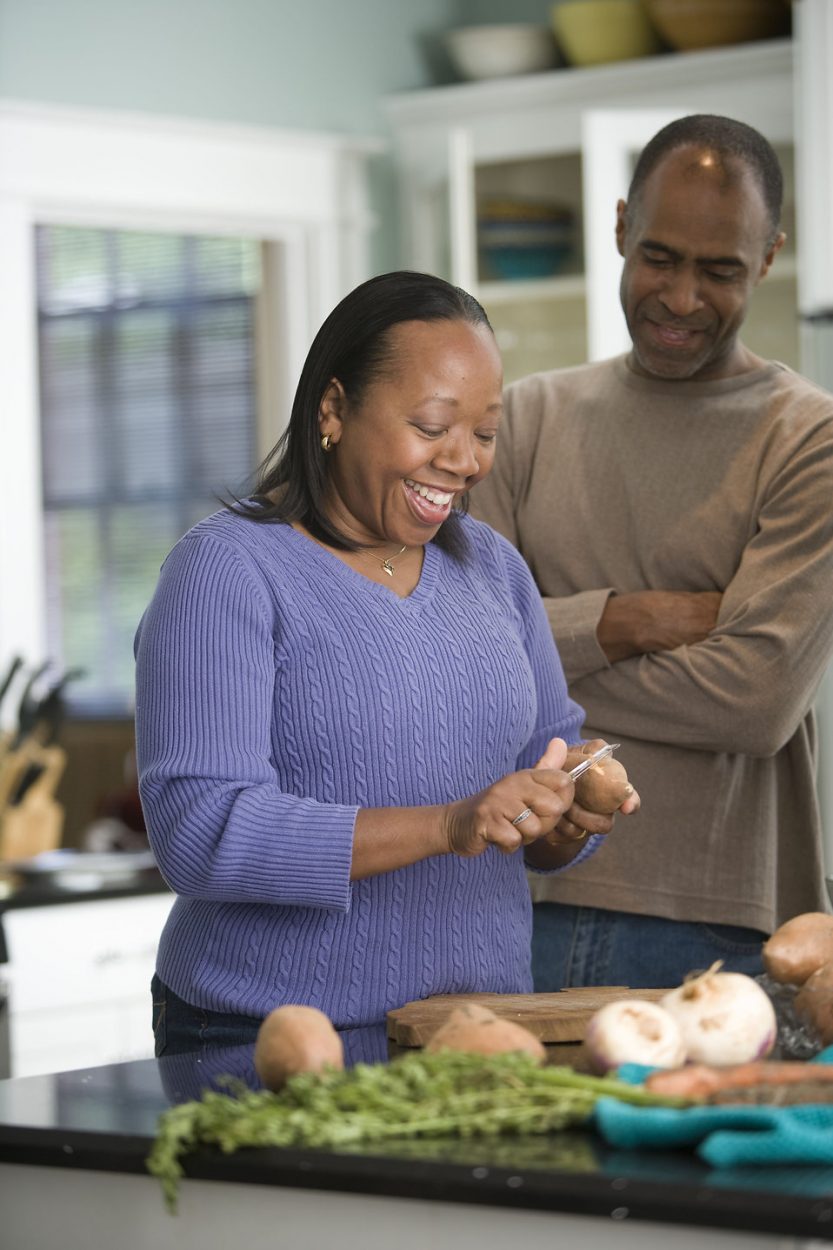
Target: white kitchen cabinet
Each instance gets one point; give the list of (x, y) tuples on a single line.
[(571, 135), (79, 981)]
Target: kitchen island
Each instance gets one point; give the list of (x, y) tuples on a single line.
[(72, 1173)]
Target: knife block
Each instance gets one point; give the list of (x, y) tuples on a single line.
[(36, 823)]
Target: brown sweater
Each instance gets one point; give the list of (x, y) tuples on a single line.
[(609, 482)]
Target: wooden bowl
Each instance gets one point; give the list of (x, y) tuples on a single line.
[(687, 25)]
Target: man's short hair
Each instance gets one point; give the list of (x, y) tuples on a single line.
[(731, 140)]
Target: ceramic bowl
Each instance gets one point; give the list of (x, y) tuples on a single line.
[(501, 51), (690, 24), (523, 239), (595, 32)]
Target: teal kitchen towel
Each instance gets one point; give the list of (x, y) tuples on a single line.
[(723, 1136)]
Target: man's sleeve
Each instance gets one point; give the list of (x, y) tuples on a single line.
[(746, 687)]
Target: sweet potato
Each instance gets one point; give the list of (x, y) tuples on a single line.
[(479, 1031), (814, 1003), (799, 947), (604, 787), (295, 1039)]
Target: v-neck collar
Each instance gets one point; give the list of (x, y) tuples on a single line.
[(336, 570)]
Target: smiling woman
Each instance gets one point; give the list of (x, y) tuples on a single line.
[(347, 692), (414, 440)]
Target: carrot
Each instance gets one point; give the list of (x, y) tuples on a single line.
[(768, 1081)]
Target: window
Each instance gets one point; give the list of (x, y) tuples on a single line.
[(148, 414), (304, 196)]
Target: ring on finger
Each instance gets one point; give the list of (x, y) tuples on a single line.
[(521, 816)]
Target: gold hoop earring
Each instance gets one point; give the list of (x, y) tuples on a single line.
[(326, 442)]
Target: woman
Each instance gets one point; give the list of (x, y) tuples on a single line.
[(350, 712)]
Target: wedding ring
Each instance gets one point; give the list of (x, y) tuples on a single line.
[(521, 817)]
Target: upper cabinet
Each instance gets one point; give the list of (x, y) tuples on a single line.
[(509, 188)]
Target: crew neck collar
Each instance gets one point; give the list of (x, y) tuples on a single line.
[(690, 387)]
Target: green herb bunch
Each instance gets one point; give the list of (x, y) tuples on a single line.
[(419, 1095)]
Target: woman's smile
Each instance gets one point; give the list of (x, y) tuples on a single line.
[(417, 437), (428, 503)]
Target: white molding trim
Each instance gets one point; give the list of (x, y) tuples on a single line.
[(610, 140), (540, 114), (814, 154), (305, 192)]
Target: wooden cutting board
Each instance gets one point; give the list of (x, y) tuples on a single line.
[(560, 1017)]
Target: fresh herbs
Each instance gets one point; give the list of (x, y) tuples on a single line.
[(416, 1096)]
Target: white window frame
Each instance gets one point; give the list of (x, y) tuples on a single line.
[(304, 194)]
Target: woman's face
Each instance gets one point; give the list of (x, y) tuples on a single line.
[(422, 433)]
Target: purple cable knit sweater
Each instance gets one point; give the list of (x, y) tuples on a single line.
[(279, 691)]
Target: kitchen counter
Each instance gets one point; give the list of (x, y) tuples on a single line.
[(82, 1137), (77, 953), (17, 891)]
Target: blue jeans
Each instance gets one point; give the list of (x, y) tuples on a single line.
[(178, 1027), (576, 946)]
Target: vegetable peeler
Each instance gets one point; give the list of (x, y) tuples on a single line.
[(601, 754)]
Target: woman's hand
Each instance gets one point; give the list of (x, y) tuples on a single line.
[(577, 822), (485, 819)]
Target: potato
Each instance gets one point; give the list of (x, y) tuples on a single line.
[(604, 787), (295, 1039), (814, 1003), (479, 1031), (799, 947)]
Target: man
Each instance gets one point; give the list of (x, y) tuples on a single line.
[(676, 508)]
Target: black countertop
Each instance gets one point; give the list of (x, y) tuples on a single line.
[(45, 889), (105, 1119)]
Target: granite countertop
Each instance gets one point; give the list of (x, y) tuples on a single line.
[(105, 1119)]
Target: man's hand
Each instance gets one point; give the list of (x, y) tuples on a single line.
[(656, 620)]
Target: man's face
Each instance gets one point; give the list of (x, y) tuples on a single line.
[(695, 243)]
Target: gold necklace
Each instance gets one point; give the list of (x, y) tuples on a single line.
[(387, 564)]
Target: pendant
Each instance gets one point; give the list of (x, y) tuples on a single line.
[(388, 567)]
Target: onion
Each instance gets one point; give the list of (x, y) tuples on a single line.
[(724, 1017), (633, 1030)]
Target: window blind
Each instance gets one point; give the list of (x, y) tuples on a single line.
[(148, 414)]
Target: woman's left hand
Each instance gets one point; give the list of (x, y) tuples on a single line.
[(578, 823)]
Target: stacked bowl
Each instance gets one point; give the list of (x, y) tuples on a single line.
[(524, 239)]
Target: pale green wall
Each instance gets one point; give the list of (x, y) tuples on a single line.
[(308, 63), (313, 64), (477, 12), (317, 64)]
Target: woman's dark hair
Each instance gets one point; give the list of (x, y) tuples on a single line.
[(730, 140), (353, 345)]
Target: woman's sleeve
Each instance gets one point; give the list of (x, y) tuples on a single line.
[(219, 824)]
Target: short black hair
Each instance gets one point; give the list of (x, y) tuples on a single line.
[(731, 140), (353, 345)]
